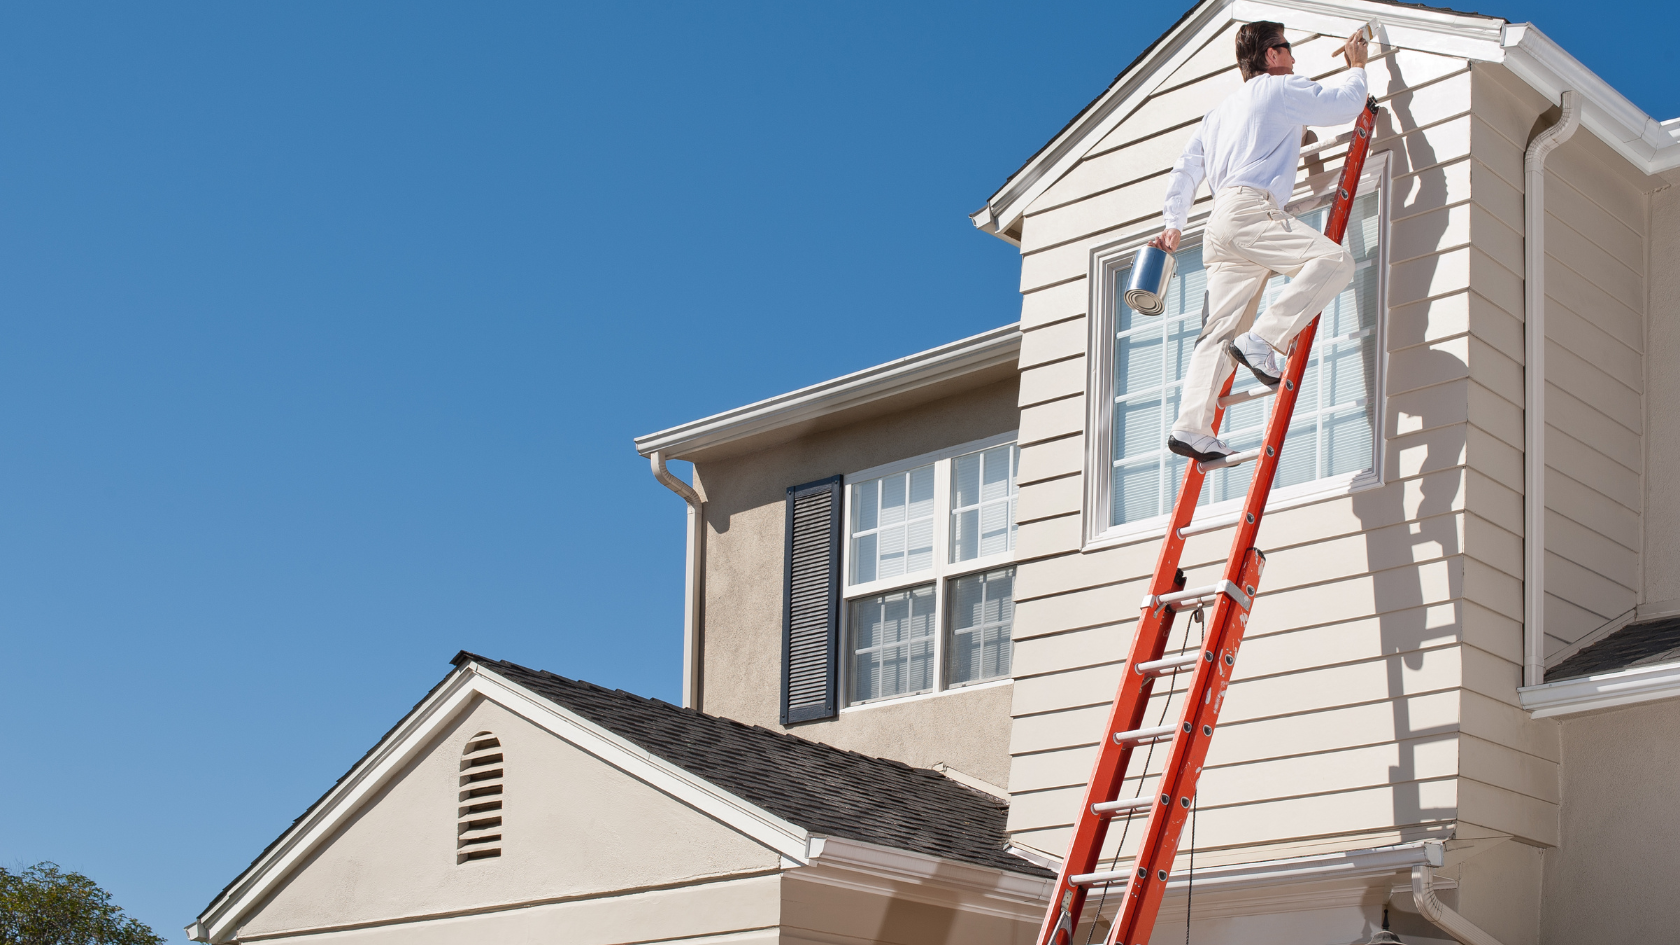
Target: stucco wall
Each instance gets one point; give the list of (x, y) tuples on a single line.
[(745, 532), (1612, 878), (572, 826), (726, 912), (814, 913), (1662, 446)]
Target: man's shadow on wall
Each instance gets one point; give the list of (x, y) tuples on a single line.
[(1409, 524)]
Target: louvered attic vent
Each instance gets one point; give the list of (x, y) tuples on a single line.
[(478, 829)]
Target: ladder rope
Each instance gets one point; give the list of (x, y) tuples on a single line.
[(1126, 828)]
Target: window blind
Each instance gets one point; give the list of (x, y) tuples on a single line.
[(811, 603)]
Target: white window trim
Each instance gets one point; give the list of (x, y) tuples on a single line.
[(1109, 259), (940, 575)]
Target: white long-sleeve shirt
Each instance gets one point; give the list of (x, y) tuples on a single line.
[(1253, 138)]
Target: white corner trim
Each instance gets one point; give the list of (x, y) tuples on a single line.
[(987, 349), (1035, 856), (969, 780), (1623, 687), (869, 867), (468, 682)]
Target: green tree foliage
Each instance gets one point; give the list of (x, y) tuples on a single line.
[(44, 905)]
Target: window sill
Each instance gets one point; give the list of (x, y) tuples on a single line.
[(923, 696), (1294, 497)]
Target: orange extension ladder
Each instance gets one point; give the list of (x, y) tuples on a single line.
[(1169, 805)]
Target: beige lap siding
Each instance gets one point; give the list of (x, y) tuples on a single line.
[(1595, 288), (1375, 698)]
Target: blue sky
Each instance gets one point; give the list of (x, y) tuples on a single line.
[(327, 328)]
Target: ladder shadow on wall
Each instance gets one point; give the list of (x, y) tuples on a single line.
[(1403, 536)]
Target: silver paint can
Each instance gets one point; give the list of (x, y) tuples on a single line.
[(1146, 287)]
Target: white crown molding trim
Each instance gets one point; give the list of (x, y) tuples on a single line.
[(978, 352), (1593, 636), (1461, 35), (468, 682), (1603, 691), (901, 874)]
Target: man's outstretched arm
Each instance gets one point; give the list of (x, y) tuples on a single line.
[(1306, 102)]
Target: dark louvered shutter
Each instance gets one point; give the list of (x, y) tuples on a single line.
[(811, 603)]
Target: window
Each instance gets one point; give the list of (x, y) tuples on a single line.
[(929, 589), (1138, 366), (478, 818)]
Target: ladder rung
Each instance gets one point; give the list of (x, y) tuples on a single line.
[(1165, 666), (1139, 736), (1235, 459), (1107, 876), (1198, 593), (1253, 393), (1210, 524), (1119, 807)]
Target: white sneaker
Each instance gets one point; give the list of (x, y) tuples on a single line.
[(1198, 446), (1252, 352)]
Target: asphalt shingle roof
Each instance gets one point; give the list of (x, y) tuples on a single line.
[(1637, 644), (824, 789)]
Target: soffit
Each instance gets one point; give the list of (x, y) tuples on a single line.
[(926, 376)]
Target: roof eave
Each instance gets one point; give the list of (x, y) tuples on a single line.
[(1602, 690), (1648, 144), (471, 678), (1652, 146), (925, 368)]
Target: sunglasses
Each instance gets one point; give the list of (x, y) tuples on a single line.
[(1284, 45)]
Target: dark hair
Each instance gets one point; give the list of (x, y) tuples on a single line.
[(1252, 42)]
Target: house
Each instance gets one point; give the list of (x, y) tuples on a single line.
[(1459, 697)]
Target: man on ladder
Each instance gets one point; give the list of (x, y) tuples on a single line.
[(1248, 148)]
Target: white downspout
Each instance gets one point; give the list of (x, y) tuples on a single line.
[(1534, 384), (1423, 894), (692, 581)]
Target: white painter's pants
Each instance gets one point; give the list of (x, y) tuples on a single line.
[(1248, 239)]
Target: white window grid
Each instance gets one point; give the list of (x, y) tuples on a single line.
[(938, 576), (1338, 336)]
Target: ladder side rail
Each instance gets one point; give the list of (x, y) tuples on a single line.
[(1108, 771), (1147, 884), (1137, 916)]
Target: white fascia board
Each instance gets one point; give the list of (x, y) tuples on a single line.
[(784, 837), (1461, 35), (1122, 98), (870, 867), (1648, 144), (1624, 687), (987, 349), (468, 682), (1318, 868)]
